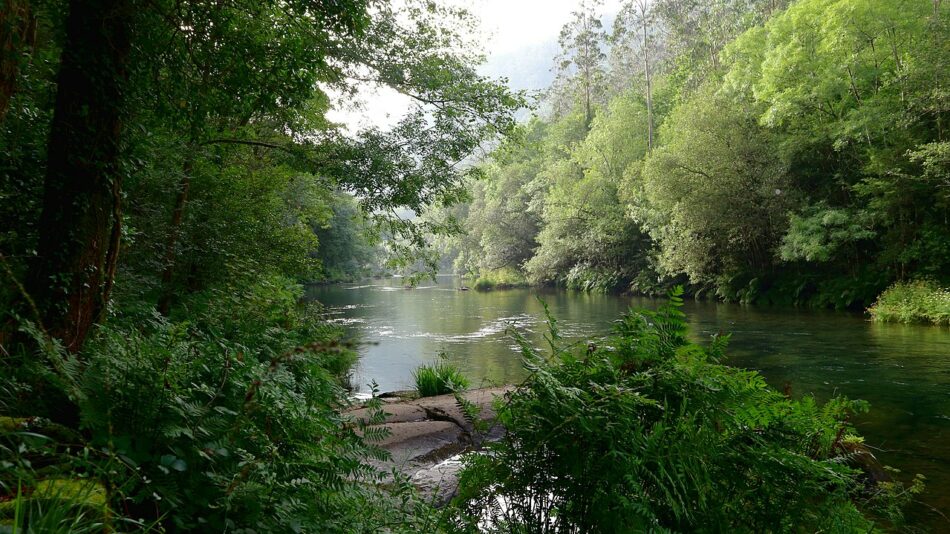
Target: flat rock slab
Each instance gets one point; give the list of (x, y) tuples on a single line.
[(396, 412), (423, 434)]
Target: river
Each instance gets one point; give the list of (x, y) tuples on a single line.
[(902, 370)]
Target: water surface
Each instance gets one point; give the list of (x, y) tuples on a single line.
[(902, 370)]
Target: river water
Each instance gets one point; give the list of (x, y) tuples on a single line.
[(902, 370)]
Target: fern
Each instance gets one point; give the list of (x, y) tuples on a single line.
[(649, 432)]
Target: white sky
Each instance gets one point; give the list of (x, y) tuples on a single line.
[(518, 36), (515, 24)]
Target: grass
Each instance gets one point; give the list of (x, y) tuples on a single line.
[(56, 506), (504, 278), (438, 379), (919, 301)]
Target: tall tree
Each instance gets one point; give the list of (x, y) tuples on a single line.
[(79, 230), (637, 22), (80, 226), (579, 65)]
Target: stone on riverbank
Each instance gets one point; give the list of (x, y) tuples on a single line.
[(425, 433)]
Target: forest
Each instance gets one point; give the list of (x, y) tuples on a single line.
[(172, 183), (769, 151)]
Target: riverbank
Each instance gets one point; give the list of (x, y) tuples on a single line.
[(424, 435)]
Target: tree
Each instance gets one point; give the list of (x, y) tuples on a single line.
[(715, 199), (500, 214), (71, 277), (586, 239), (579, 64), (218, 92), (239, 73), (636, 22), (853, 89), (696, 31)]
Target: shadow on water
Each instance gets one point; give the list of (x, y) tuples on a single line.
[(902, 370)]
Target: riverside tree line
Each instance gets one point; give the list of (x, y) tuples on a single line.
[(755, 150)]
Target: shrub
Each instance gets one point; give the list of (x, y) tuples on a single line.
[(438, 379), (504, 278), (649, 433), (583, 277), (921, 301)]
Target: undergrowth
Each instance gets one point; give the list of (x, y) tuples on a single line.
[(648, 432), (504, 278), (229, 422), (921, 301)]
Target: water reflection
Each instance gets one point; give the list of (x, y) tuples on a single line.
[(902, 370)]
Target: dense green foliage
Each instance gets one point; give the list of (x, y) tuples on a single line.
[(439, 378), (168, 178), (229, 420), (920, 301), (791, 152), (650, 433), (503, 278)]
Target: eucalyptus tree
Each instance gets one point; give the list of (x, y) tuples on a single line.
[(696, 31), (637, 33), (580, 63)]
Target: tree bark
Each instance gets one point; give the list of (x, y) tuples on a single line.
[(80, 225), (647, 74)]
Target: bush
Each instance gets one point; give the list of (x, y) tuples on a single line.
[(649, 433), (504, 278), (921, 301), (586, 278), (438, 379)]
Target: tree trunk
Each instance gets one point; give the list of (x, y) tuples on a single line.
[(648, 75), (168, 271), (80, 226)]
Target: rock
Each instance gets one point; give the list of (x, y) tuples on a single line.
[(419, 439), (439, 483), (426, 435)]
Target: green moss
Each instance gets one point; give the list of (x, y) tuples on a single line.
[(920, 301), (84, 496)]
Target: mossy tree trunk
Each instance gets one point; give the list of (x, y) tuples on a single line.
[(80, 226)]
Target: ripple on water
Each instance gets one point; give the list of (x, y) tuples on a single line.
[(347, 321)]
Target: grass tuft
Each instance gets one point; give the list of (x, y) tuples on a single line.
[(439, 379)]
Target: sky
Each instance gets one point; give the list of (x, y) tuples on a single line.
[(518, 36)]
